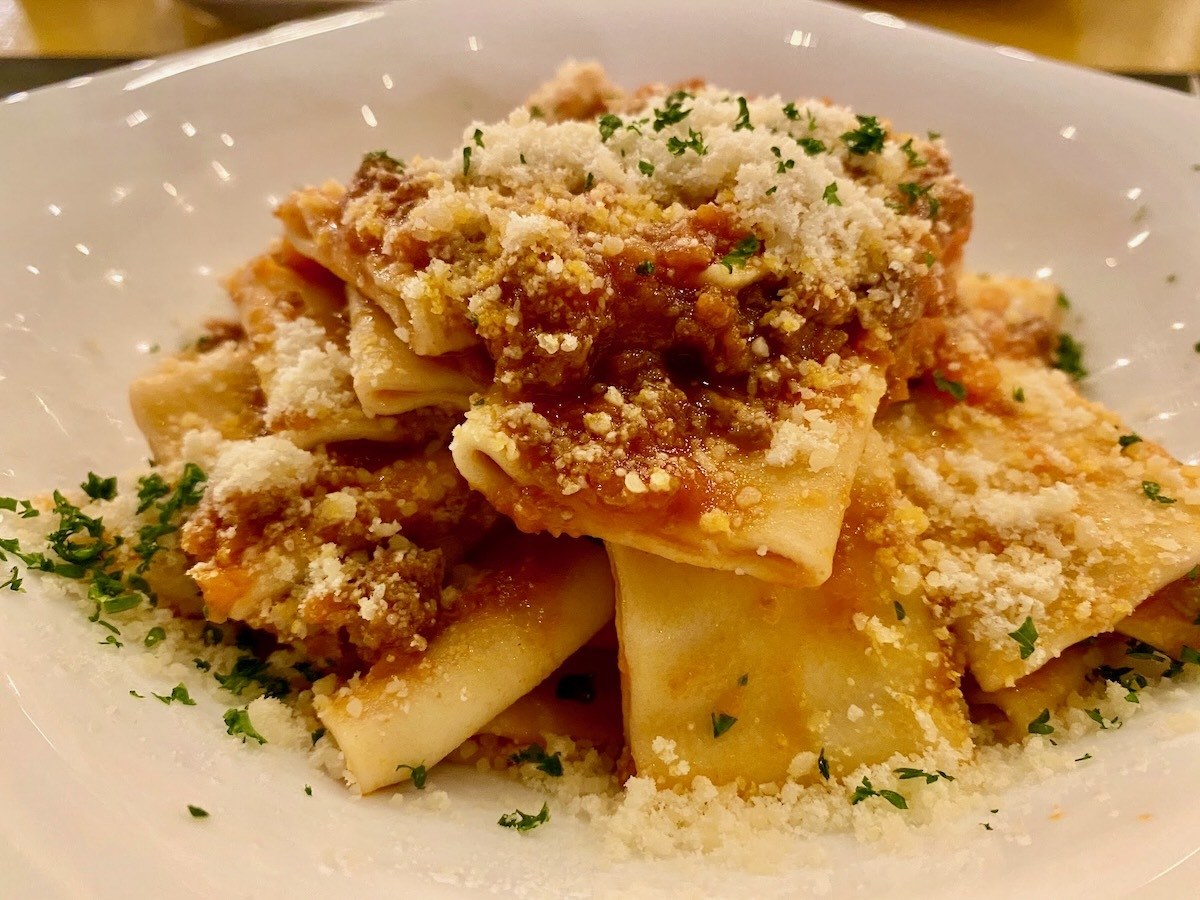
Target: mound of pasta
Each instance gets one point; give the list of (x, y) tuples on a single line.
[(666, 421)]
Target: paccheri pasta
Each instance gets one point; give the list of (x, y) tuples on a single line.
[(663, 421)]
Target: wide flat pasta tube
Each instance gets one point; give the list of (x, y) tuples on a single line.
[(856, 668), (389, 378), (294, 316), (774, 513), (216, 390), (539, 603), (1044, 530)]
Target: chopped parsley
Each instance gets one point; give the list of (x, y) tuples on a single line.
[(211, 635), (743, 119), (1041, 725), (914, 192), (782, 165), (899, 608), (523, 821), (741, 252), (26, 511), (721, 723), (1128, 440), (1124, 676), (744, 679), (466, 160), (308, 789), (579, 688), (179, 694), (674, 111), (535, 112), (930, 777), (791, 112), (478, 137), (695, 141), (1153, 490), (136, 694), (1172, 278), (823, 764), (588, 183), (811, 145), (914, 160), (1062, 301), (197, 812), (237, 722), (1136, 649), (1196, 346), (416, 774), (867, 138), (772, 189), (100, 488), (14, 581), (248, 670), (1019, 394), (609, 125), (1189, 655), (645, 267), (186, 494), (1026, 637), (830, 194), (646, 167), (1096, 716), (954, 388), (154, 636), (384, 157), (202, 664), (551, 764), (866, 789), (1083, 758), (1068, 356), (934, 135)]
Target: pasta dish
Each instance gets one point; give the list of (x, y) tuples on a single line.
[(659, 428)]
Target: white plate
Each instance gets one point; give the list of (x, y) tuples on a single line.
[(125, 195), (260, 13)]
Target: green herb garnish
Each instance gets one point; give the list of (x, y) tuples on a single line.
[(646, 167), (954, 388), (914, 161), (609, 125), (416, 774), (551, 764), (524, 821), (741, 253), (1068, 356), (721, 723), (1153, 490), (1041, 725), (866, 789), (930, 777), (237, 723), (99, 488), (179, 694), (823, 764), (743, 119), (197, 812), (867, 138), (1026, 637)]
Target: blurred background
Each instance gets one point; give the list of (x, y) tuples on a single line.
[(43, 41)]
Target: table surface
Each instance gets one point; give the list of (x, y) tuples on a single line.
[(1144, 36)]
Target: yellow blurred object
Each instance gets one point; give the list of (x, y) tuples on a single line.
[(103, 27), (1144, 36), (1151, 36)]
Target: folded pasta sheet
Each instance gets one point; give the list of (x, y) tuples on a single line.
[(738, 680), (294, 316), (581, 700), (625, 469), (1170, 619), (216, 390), (344, 232), (533, 604), (1044, 527), (389, 378)]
